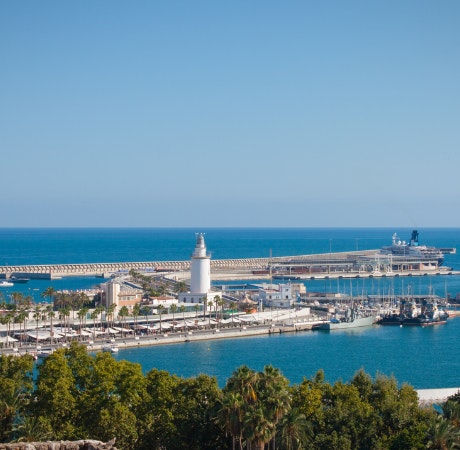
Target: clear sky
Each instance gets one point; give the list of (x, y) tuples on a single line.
[(238, 113)]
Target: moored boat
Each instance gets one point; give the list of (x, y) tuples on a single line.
[(353, 318), (110, 348), (410, 315), (430, 314), (391, 319)]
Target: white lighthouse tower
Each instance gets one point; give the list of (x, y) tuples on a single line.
[(200, 277), (200, 268)]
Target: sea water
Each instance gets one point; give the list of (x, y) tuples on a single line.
[(424, 357)]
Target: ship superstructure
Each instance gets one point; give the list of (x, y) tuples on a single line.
[(413, 249)]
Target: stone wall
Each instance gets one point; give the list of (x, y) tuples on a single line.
[(86, 444)]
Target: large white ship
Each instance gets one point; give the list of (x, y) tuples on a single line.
[(412, 248)]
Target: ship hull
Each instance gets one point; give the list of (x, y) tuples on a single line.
[(356, 323)]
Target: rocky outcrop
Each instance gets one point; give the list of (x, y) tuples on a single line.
[(86, 444)]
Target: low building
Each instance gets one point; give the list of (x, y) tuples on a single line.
[(277, 295), (117, 293)]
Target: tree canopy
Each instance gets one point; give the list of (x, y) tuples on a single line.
[(77, 395)]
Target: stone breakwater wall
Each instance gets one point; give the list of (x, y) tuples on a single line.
[(50, 271), (86, 444)]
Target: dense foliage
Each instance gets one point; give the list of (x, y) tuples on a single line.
[(76, 395)]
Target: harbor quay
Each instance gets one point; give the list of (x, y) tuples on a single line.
[(355, 264)]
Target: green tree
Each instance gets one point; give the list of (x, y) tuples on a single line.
[(56, 397), (194, 410), (15, 391), (159, 428)]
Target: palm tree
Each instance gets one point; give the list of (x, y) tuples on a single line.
[(265, 401), (22, 317), (135, 312), (110, 314), (182, 310), (181, 286), (93, 317), (451, 411), (61, 299), (7, 320), (442, 434), (17, 319), (81, 314), (160, 309), (145, 312), (196, 307), (258, 429), (173, 309), (221, 304), (205, 306), (17, 298), (37, 315), (232, 307), (210, 303), (123, 313), (216, 303), (293, 431), (64, 314), (230, 416), (49, 292), (276, 401), (51, 316)]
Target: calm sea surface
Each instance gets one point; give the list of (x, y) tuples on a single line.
[(423, 357)]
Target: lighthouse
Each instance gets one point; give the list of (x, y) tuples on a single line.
[(200, 268), (200, 277)]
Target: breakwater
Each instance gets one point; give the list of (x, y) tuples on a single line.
[(366, 263)]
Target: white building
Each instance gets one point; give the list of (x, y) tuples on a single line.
[(200, 276), (277, 295)]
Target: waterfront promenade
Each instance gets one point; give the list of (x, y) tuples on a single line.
[(427, 397)]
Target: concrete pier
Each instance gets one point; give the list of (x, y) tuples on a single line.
[(367, 263)]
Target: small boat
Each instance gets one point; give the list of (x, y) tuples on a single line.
[(5, 283), (110, 348), (19, 280), (43, 353)]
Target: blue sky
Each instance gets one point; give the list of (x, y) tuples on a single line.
[(242, 113)]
